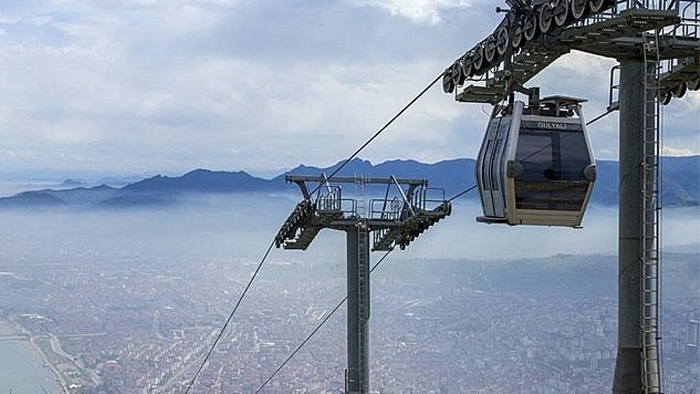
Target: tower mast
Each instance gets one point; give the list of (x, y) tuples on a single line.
[(395, 220), (657, 43)]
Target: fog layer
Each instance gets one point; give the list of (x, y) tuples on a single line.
[(244, 226)]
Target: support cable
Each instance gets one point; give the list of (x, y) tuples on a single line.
[(381, 130), (328, 316), (272, 244), (315, 330), (467, 190), (230, 317), (599, 117)]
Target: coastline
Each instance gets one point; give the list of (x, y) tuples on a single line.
[(47, 363), (33, 351)]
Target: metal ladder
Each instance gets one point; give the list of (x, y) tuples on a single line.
[(362, 283), (649, 254)]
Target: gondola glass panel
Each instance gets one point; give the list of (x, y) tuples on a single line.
[(549, 179)]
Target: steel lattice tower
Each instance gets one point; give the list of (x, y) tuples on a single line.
[(657, 44)]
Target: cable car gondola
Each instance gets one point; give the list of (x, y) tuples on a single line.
[(535, 165)]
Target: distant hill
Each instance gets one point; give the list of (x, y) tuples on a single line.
[(452, 175), (680, 179), (680, 187), (202, 181), (680, 182), (31, 199)]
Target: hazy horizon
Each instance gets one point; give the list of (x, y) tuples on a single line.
[(160, 281), (251, 222)]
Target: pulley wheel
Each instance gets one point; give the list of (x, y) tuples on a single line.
[(490, 49), (561, 12), (501, 41), (478, 59), (579, 8), (546, 16), (447, 85), (530, 26), (666, 98), (679, 91), (516, 35), (457, 75), (694, 84), (595, 6), (467, 65)]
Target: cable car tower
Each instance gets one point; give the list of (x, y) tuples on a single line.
[(408, 208), (657, 45)]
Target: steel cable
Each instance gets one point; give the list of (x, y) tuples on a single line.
[(460, 194), (272, 244), (328, 316), (376, 134), (230, 317), (315, 330)]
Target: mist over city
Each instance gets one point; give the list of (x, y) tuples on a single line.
[(128, 299)]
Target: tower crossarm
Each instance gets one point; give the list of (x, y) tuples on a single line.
[(403, 232), (680, 75), (326, 207), (534, 33), (616, 37), (300, 216), (396, 220), (367, 180)]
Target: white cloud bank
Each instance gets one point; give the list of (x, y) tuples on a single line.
[(419, 11), (151, 86)]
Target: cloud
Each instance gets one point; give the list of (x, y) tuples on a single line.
[(169, 86), (129, 76), (8, 20), (674, 151), (418, 11)]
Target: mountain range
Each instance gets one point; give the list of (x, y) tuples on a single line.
[(680, 184)]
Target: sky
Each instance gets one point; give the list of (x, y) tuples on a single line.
[(149, 86)]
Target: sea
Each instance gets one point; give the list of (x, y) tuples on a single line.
[(22, 370)]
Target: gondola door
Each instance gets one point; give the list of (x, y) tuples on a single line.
[(490, 165)]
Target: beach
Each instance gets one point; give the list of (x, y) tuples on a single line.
[(22, 367)]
